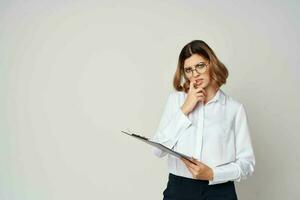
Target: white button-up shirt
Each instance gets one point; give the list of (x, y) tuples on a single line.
[(216, 134)]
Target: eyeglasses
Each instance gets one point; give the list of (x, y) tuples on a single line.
[(200, 68)]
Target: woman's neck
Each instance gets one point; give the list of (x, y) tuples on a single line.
[(211, 91)]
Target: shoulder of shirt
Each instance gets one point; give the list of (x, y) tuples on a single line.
[(176, 94), (230, 101)]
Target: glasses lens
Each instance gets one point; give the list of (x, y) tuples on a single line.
[(201, 68), (188, 70)]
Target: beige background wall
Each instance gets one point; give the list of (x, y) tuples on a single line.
[(75, 73)]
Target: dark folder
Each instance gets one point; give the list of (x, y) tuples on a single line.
[(160, 146)]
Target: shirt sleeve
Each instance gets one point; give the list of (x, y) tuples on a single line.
[(244, 164), (172, 124)]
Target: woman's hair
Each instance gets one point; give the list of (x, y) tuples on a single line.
[(218, 71)]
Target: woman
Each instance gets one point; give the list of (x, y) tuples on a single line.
[(202, 121)]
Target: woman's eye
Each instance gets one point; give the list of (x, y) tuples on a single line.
[(188, 70), (200, 66)]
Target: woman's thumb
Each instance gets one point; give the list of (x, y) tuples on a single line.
[(192, 83)]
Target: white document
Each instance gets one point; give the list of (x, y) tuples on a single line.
[(160, 146)]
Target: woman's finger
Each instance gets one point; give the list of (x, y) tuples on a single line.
[(200, 89), (193, 172), (190, 168), (191, 165), (186, 162), (196, 161), (193, 169), (200, 95), (192, 83)]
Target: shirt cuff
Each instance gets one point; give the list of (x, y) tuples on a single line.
[(222, 174), (184, 121)]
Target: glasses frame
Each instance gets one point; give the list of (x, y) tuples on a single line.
[(195, 69)]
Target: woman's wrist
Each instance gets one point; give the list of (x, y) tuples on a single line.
[(211, 175), (184, 110)]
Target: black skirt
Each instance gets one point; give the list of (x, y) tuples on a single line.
[(182, 188)]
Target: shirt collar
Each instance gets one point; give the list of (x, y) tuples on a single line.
[(219, 96)]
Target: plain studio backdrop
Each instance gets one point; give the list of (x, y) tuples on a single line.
[(73, 74)]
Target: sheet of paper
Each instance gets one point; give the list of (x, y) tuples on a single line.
[(160, 146)]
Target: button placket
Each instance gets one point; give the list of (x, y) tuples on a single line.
[(200, 132), (203, 118)]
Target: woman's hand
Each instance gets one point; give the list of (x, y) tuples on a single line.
[(194, 96), (199, 171)]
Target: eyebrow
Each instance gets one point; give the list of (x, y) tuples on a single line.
[(196, 64)]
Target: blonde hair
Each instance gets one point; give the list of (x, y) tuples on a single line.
[(218, 71)]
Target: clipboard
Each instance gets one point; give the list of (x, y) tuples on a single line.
[(159, 146)]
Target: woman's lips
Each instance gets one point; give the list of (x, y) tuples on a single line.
[(199, 81)]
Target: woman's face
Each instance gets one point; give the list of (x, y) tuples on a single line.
[(197, 62)]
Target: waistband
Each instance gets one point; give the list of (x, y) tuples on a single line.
[(184, 180)]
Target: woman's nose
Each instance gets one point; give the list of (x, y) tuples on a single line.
[(195, 74)]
